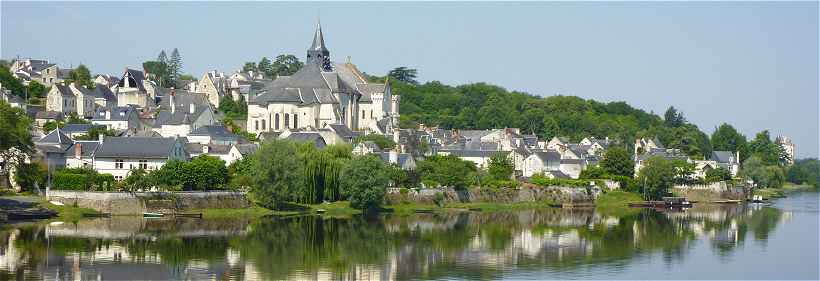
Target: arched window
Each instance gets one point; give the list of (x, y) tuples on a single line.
[(287, 121), (276, 121), (296, 120), (256, 125), (264, 128)]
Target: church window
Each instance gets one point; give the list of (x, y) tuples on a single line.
[(287, 121), (276, 121), (296, 120), (256, 125), (371, 114), (263, 125), (363, 116)]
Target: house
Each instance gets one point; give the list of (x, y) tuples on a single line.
[(61, 99), (81, 154), (229, 153), (53, 75), (52, 148), (542, 162), (42, 117), (213, 134), (481, 158), (212, 85), (104, 97), (180, 113), (123, 118), (12, 99), (134, 89), (311, 137), (571, 167), (106, 80), (322, 92), (668, 154), (727, 160), (366, 147), (404, 161), (342, 131), (118, 155), (557, 143), (41, 71)]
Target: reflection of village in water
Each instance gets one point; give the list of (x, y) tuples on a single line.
[(455, 245)]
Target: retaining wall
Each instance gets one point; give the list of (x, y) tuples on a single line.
[(121, 203), (557, 194)]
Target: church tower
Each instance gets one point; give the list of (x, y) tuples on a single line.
[(318, 53)]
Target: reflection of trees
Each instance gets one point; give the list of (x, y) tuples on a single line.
[(468, 245)]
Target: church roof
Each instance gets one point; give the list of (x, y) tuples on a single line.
[(318, 39)]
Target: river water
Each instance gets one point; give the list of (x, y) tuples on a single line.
[(777, 241)]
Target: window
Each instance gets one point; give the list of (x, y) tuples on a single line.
[(118, 178), (276, 121), (287, 121), (143, 164), (256, 125), (296, 120), (263, 125), (363, 116), (118, 164), (371, 114)]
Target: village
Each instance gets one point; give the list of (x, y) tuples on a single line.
[(128, 122)]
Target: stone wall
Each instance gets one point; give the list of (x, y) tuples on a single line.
[(122, 203), (557, 194)]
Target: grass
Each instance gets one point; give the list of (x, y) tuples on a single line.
[(67, 212), (617, 203), (769, 193)]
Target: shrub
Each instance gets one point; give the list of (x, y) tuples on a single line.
[(364, 182)]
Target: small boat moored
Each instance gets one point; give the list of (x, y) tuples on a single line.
[(152, 215)]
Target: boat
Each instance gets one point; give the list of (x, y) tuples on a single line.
[(321, 211), (188, 215), (97, 215), (757, 199), (152, 215)]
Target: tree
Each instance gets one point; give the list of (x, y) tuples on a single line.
[(158, 71), (49, 126), (447, 170), (206, 173), (11, 83), (383, 142), (266, 67), (250, 66), (764, 174), (364, 182), (673, 118), (30, 174), (95, 132), (404, 74), (277, 173), (138, 179), (657, 177), (500, 167), (618, 162), (551, 128), (726, 138), (768, 151), (173, 175), (174, 66), (162, 58), (81, 76), (15, 139), (593, 172), (805, 171), (284, 65), (36, 90), (718, 174)]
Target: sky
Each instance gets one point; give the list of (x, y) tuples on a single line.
[(750, 64)]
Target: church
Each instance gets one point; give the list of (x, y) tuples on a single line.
[(323, 93)]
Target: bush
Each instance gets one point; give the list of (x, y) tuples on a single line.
[(448, 171), (541, 180), (497, 184), (82, 179)]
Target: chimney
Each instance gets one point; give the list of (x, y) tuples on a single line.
[(172, 101), (191, 108), (394, 156), (78, 150)]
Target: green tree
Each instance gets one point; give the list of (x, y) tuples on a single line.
[(364, 182), (163, 58), (36, 90), (805, 171), (500, 167), (173, 175), (447, 170), (718, 174), (551, 128), (726, 138), (673, 118), (277, 173), (657, 177), (381, 141), (49, 126), (11, 83), (593, 172), (81, 76), (206, 173), (138, 179), (95, 132), (250, 66), (404, 74), (284, 65), (618, 162), (768, 151), (764, 174), (266, 67), (158, 71), (15, 139), (30, 174), (174, 66)]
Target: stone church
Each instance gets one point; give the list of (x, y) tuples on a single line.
[(323, 93)]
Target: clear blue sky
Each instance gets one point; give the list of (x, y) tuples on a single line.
[(753, 65)]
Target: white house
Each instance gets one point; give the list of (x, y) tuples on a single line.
[(118, 155), (123, 118), (542, 162)]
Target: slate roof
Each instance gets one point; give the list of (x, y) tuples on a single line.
[(341, 130), (78, 128), (63, 90), (313, 137), (136, 147), (104, 92), (246, 148), (572, 161), (548, 156), (215, 132), (136, 75), (12, 98), (179, 116), (118, 113), (87, 149), (722, 156), (56, 136), (196, 148), (307, 86)]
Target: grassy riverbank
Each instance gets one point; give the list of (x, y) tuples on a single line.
[(67, 212), (617, 202), (770, 193)]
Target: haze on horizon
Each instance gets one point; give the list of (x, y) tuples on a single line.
[(753, 65)]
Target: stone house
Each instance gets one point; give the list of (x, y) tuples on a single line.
[(134, 89), (213, 86)]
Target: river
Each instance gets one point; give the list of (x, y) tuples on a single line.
[(777, 241)]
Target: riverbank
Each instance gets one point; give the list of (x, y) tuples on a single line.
[(772, 193)]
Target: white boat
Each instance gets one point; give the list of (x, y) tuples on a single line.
[(757, 199), (152, 215)]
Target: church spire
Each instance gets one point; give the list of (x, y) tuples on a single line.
[(318, 53)]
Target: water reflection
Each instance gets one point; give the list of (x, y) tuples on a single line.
[(459, 245)]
